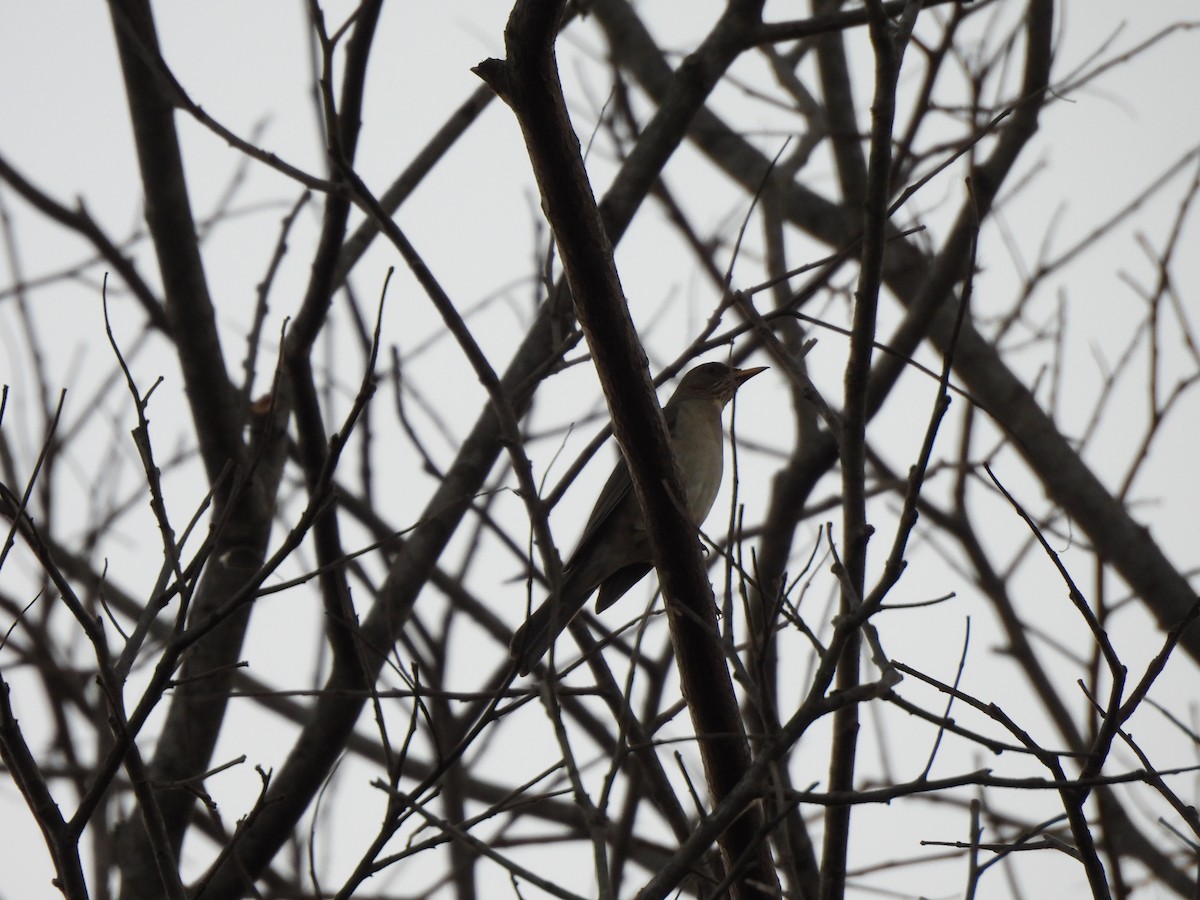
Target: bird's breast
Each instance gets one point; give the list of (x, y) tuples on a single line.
[(699, 447)]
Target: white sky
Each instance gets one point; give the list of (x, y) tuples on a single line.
[(248, 63)]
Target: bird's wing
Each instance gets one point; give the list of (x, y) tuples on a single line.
[(616, 585), (615, 490)]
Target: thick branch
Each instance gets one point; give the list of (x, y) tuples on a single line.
[(530, 83)]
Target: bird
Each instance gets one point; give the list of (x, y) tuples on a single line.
[(613, 553)]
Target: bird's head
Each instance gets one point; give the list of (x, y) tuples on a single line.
[(716, 380)]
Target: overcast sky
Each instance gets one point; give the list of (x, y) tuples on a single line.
[(249, 64)]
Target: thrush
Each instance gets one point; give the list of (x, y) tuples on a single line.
[(613, 553)]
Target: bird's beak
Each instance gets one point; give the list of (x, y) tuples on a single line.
[(741, 376)]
